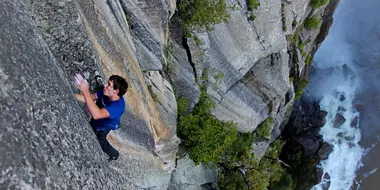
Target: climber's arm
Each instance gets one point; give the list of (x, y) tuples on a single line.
[(80, 97), (94, 110)]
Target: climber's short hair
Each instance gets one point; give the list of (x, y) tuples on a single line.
[(119, 83)]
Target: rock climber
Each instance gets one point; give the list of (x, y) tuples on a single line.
[(106, 107)]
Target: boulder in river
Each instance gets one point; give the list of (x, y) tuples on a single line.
[(339, 120)]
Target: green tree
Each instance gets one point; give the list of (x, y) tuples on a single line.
[(300, 86), (182, 105), (318, 3), (264, 129), (253, 4), (249, 173), (311, 23), (202, 14), (205, 137)]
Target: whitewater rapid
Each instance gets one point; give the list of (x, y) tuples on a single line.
[(336, 80), (344, 160)]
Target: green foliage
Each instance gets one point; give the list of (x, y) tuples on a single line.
[(289, 37), (318, 3), (311, 23), (235, 7), (308, 60), (198, 42), (182, 106), (240, 152), (168, 67), (251, 16), (300, 86), (269, 169), (231, 180), (302, 170), (202, 54), (296, 38), (253, 4), (218, 78), (291, 79), (301, 47), (204, 136), (264, 129), (249, 173), (209, 140), (284, 28), (202, 14), (285, 182), (294, 23)]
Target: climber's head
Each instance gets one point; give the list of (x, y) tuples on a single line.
[(116, 85)]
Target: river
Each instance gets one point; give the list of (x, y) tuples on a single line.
[(345, 77)]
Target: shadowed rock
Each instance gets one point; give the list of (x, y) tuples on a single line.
[(342, 109), (310, 144), (354, 122), (327, 182), (325, 151), (342, 97), (349, 138), (339, 120)]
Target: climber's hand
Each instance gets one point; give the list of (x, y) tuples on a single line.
[(83, 86)]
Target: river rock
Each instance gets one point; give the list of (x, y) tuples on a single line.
[(310, 144), (342, 109), (325, 151), (354, 122), (326, 181), (339, 120), (342, 97)]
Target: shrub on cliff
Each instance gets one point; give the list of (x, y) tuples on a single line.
[(204, 136), (303, 168), (250, 173), (300, 86), (209, 140), (253, 4), (202, 14), (318, 3), (311, 23), (265, 128)]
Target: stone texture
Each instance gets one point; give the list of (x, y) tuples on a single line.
[(258, 95), (260, 147), (148, 21), (339, 120), (164, 97), (191, 176), (42, 133), (325, 151), (42, 46), (182, 76)]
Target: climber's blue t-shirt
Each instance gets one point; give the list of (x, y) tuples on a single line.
[(114, 108)]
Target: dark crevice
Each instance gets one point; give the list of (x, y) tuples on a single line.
[(188, 52)]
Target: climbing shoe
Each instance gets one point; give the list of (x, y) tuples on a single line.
[(111, 158)]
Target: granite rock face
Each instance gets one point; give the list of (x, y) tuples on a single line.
[(46, 143), (191, 176)]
